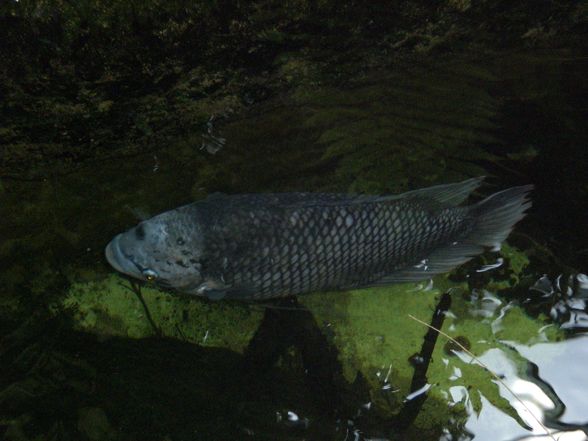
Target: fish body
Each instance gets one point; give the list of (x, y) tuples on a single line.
[(259, 246)]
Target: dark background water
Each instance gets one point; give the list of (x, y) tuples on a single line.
[(116, 111)]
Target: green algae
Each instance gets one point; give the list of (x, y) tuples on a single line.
[(109, 308), (376, 338), (516, 326), (510, 276)]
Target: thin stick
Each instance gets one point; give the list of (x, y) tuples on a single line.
[(467, 351), (136, 289)]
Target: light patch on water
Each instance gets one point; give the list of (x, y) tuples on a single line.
[(417, 392), (569, 295), (456, 374), (528, 397), (499, 262), (563, 366), (543, 285)]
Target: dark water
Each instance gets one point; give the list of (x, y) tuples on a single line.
[(84, 357)]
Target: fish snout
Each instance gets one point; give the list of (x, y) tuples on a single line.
[(117, 258)]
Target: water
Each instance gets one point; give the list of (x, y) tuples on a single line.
[(85, 356)]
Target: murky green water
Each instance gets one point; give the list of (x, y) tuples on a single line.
[(85, 358)]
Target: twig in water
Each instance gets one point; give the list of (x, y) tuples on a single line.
[(467, 351), (136, 289)]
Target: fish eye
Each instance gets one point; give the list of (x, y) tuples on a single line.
[(150, 275)]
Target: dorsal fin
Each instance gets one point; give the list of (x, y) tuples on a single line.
[(447, 194)]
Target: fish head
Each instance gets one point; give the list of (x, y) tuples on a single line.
[(165, 250)]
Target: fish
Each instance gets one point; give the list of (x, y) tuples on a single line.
[(268, 245)]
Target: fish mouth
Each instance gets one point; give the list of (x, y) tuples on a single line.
[(119, 260)]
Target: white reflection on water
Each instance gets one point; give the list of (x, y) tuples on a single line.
[(563, 366), (556, 373), (570, 295), (544, 382)]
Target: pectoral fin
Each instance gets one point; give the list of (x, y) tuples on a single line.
[(214, 290), (215, 294)]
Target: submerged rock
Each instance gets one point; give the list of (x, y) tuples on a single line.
[(110, 308), (376, 339)]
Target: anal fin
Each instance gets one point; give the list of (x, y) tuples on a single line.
[(438, 262)]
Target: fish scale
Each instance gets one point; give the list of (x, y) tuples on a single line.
[(257, 246), (336, 246)]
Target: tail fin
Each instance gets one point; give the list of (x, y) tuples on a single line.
[(497, 214)]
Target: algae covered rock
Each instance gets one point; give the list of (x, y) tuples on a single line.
[(379, 341), (374, 335), (373, 331), (110, 308)]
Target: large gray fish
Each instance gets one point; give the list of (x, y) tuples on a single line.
[(258, 246)]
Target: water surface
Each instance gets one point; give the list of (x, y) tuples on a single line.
[(85, 356)]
